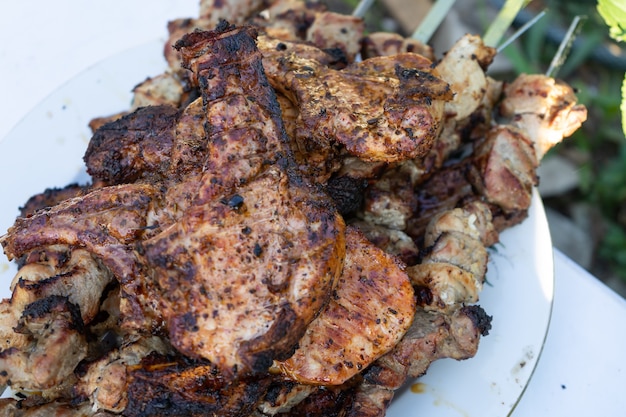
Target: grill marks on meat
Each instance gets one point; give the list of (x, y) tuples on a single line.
[(54, 329), (162, 386), (106, 222), (243, 125), (371, 309)]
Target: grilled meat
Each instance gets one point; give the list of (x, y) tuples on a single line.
[(545, 109), (371, 308), (394, 242), (163, 89), (56, 345), (288, 249), (51, 197), (386, 44), (177, 386), (432, 336), (105, 381), (452, 271), (106, 222), (251, 210), (292, 20), (208, 270), (469, 85), (136, 145), (10, 407), (386, 117)]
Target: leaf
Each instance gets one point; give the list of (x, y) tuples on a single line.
[(614, 14)]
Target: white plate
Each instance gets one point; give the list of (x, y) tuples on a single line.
[(46, 150)]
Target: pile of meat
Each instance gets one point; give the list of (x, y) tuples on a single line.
[(275, 227)]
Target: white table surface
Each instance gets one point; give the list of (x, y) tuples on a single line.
[(43, 44)]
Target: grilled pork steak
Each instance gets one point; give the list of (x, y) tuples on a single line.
[(250, 263)]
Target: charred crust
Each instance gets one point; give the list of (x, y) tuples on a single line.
[(479, 318), (347, 193), (423, 295), (51, 305), (166, 386), (50, 197)]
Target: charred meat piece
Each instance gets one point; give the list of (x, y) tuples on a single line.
[(251, 210), (371, 308), (177, 386), (136, 145), (323, 401), (282, 396), (346, 192)]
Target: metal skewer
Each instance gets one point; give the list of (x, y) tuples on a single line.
[(565, 46), (521, 31)]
